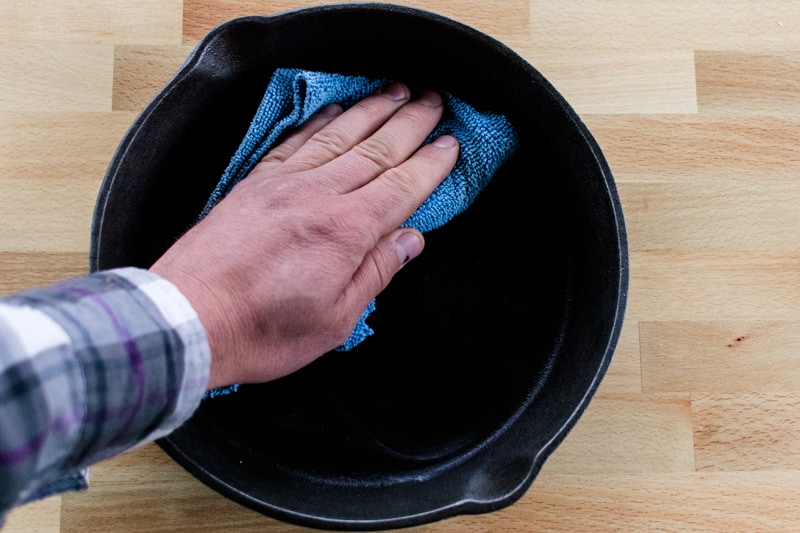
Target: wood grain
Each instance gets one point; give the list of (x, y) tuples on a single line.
[(58, 146), (26, 221), (731, 501), (45, 77), (43, 516), (744, 83), (699, 148), (149, 488), (629, 433), (52, 165), (724, 216), (654, 25), (620, 82), (141, 71), (736, 356), (695, 105), (91, 21), (25, 270), (672, 286), (624, 375), (751, 431)]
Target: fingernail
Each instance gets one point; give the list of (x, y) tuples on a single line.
[(409, 246), (330, 110), (430, 99), (445, 141), (395, 91)]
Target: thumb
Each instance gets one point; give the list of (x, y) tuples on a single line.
[(382, 263)]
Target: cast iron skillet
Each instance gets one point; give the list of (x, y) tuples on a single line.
[(488, 347)]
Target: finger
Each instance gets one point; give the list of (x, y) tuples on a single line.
[(352, 127), (278, 155), (381, 264), (394, 196), (397, 140)]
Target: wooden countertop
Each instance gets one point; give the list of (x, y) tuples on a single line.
[(697, 108)]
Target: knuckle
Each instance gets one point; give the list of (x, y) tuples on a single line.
[(379, 151), (417, 113), (275, 156), (381, 262), (401, 189), (331, 140), (403, 182), (392, 199), (372, 107), (269, 162)]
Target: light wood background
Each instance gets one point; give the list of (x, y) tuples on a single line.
[(696, 104)]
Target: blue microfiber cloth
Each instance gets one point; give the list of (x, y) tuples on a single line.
[(486, 141)]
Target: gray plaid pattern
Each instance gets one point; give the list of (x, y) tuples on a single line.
[(88, 368)]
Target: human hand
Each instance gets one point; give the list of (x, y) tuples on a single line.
[(280, 270)]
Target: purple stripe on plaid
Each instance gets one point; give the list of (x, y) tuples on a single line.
[(26, 451), (135, 342), (134, 357)]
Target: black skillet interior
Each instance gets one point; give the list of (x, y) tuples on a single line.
[(487, 347)]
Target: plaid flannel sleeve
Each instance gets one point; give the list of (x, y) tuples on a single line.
[(88, 368)]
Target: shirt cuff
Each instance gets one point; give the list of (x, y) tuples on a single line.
[(181, 318), (112, 360)]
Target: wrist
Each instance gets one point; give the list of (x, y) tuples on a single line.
[(212, 317)]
